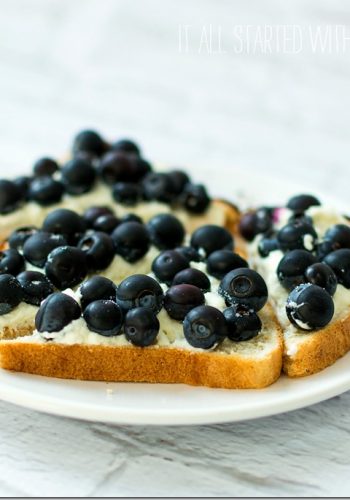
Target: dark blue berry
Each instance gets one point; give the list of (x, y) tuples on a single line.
[(140, 290), (78, 176), (322, 275), (210, 237), (168, 264), (221, 262), (194, 277), (139, 169), (244, 286), (38, 246), (106, 223), (297, 235), (309, 307), (66, 267), (131, 241), (115, 167), (194, 198), (93, 213), (45, 191), (204, 327), (126, 193), (179, 180), (302, 202), (141, 326), (180, 299), (10, 196), (11, 262), (158, 186), (337, 237), (23, 184), (65, 222), (11, 293), (339, 261), (131, 218), (56, 312), (166, 231), (45, 166), (267, 245), (254, 223), (104, 317), (36, 287), (242, 323), (126, 146), (97, 288), (19, 236), (189, 253), (99, 250), (89, 141), (292, 267)]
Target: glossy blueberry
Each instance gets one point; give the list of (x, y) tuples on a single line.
[(38, 246), (141, 326), (244, 286), (339, 261), (93, 213), (179, 180), (19, 236), (56, 312), (301, 218), (66, 267), (140, 290), (158, 186), (89, 141), (195, 198), (266, 246), (191, 276), (131, 241), (221, 262), (104, 317), (127, 193), (115, 166), (36, 287), (210, 237), (180, 299), (11, 262), (139, 169), (45, 166), (11, 293), (322, 275), (302, 202), (254, 223), (166, 231), (99, 250), (337, 237), (167, 264), (106, 223), (189, 253), (292, 267), (45, 190), (131, 218), (204, 327), (97, 288), (309, 307), (78, 176), (242, 323), (10, 196), (65, 222), (126, 146), (297, 235), (23, 184)]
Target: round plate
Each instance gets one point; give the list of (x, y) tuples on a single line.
[(147, 404)]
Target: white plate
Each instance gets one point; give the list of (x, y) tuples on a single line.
[(178, 404)]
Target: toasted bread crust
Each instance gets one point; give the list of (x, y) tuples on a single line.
[(8, 333)]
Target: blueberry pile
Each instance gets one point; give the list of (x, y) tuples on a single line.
[(119, 165), (311, 267)]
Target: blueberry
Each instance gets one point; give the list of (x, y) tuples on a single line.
[(115, 167), (266, 246), (179, 180), (209, 238), (302, 202), (168, 264), (309, 307), (221, 262), (339, 261), (180, 299), (104, 317), (46, 191), (140, 290), (11, 262), (99, 250), (106, 223), (338, 236), (292, 267), (126, 193), (141, 326), (66, 267), (78, 176), (242, 323), (322, 275), (89, 141), (10, 196), (97, 288), (131, 241), (131, 218), (56, 312), (301, 218), (158, 186), (297, 235), (93, 213), (244, 286), (166, 231), (45, 166), (189, 253), (126, 146), (36, 287), (139, 169), (194, 198), (65, 222), (38, 246), (11, 293), (19, 236), (254, 223), (194, 277), (204, 327), (23, 184)]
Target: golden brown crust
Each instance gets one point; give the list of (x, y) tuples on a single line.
[(9, 332)]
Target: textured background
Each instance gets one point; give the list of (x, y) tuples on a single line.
[(116, 65)]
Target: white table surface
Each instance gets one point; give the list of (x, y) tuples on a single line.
[(116, 65)]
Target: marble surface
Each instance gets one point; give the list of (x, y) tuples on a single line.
[(117, 66)]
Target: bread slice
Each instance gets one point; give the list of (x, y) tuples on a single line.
[(252, 364)]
